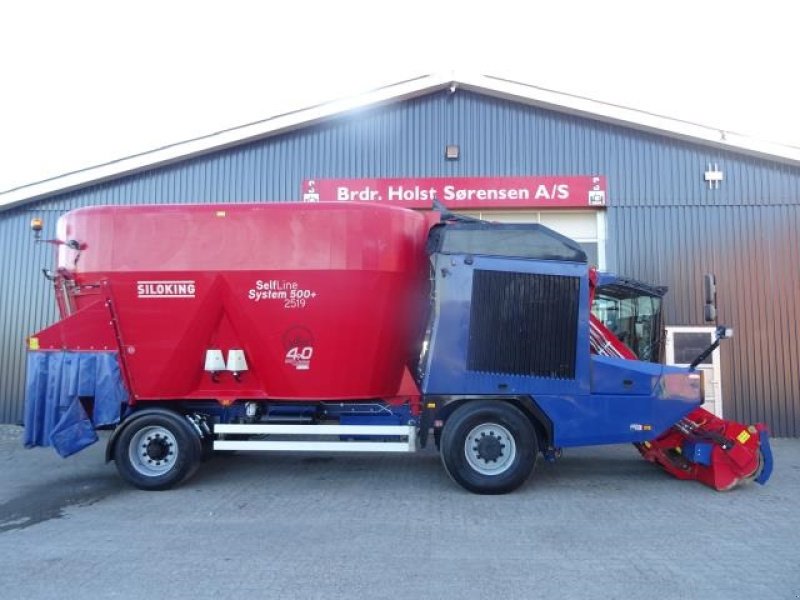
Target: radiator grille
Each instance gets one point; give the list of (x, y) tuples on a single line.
[(523, 324)]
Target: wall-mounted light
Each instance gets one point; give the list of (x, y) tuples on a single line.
[(36, 227), (451, 152)]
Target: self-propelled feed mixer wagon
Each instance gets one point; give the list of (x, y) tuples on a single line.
[(332, 327)]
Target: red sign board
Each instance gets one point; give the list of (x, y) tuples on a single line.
[(579, 191)]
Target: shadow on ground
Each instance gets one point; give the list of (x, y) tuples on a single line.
[(49, 500)]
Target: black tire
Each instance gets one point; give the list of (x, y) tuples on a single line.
[(157, 451), (489, 447)]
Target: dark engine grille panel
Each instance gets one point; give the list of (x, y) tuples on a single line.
[(523, 324)]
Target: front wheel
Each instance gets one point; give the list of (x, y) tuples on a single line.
[(157, 451), (489, 447)]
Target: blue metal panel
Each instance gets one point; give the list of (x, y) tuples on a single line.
[(446, 371), (610, 414), (665, 224), (698, 452)]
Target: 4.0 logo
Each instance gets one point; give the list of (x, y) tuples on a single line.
[(300, 358), (299, 344)]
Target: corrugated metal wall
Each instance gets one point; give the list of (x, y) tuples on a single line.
[(665, 225)]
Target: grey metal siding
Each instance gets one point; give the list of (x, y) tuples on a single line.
[(26, 302), (665, 224)]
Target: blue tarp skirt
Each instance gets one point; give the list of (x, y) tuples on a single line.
[(56, 381)]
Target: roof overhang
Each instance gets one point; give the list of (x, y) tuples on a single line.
[(412, 88)]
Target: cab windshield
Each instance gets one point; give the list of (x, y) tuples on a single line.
[(634, 317)]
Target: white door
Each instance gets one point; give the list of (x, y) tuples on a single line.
[(684, 344)]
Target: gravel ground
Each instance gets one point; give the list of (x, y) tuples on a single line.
[(601, 523)]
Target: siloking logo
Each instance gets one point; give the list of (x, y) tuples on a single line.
[(183, 288)]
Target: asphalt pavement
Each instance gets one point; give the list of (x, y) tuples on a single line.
[(600, 523)]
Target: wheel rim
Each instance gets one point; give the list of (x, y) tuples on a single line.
[(153, 451), (490, 449)]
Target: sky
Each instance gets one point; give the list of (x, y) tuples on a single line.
[(85, 82)]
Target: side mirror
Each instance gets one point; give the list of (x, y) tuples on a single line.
[(710, 297), (709, 288), (710, 313)]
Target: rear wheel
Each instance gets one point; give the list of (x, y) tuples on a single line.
[(489, 447), (157, 451)]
